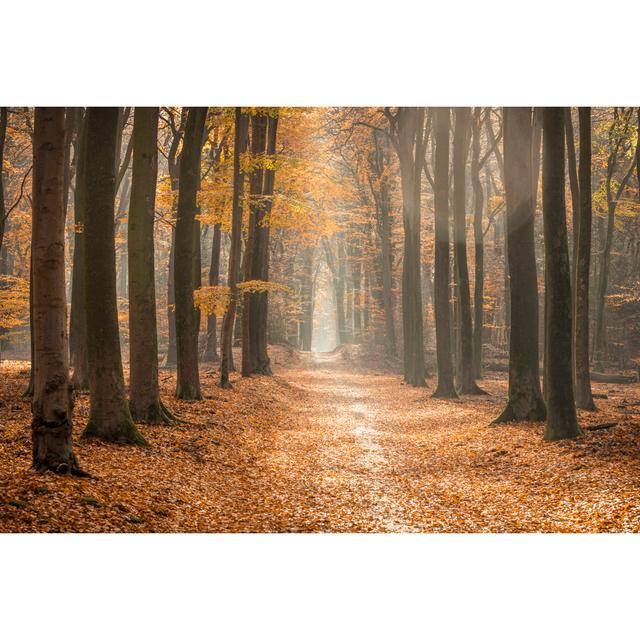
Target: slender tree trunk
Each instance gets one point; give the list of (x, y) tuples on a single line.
[(573, 184), (188, 385), (171, 360), (253, 252), (306, 291), (241, 126), (52, 399), (466, 381), (561, 411), (109, 417), (478, 238), (78, 319), (261, 300), (410, 146), (211, 345), (525, 397), (144, 400), (446, 386), (582, 249)]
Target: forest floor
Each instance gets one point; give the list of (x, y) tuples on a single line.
[(326, 445)]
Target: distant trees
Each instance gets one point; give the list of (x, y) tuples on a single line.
[(525, 397), (561, 411), (52, 402), (109, 418), (184, 273), (465, 371), (240, 144)]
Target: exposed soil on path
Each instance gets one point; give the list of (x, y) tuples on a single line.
[(323, 447)]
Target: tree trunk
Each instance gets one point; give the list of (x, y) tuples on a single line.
[(254, 254), (109, 417), (78, 319), (52, 401), (188, 385), (466, 381), (410, 147), (561, 411), (306, 296), (211, 344), (582, 249), (240, 144), (446, 386), (171, 359), (144, 392), (525, 397), (478, 238), (573, 185)]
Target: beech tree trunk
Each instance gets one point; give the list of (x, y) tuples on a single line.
[(410, 148), (446, 386), (240, 144), (109, 418), (573, 185), (144, 393), (466, 381), (52, 400), (188, 385), (525, 396), (582, 249), (211, 343), (306, 298), (78, 316), (561, 411), (478, 239), (254, 253)]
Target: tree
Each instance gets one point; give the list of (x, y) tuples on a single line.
[(144, 394), (78, 319), (525, 397), (211, 343), (52, 401), (466, 377), (188, 387), (582, 252), (260, 303), (407, 135), (446, 386), (561, 411), (109, 417), (253, 257), (226, 362)]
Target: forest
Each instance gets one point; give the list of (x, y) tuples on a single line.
[(323, 319)]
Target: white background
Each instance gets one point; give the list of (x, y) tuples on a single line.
[(325, 53)]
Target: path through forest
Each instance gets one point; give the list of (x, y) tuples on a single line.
[(329, 444)]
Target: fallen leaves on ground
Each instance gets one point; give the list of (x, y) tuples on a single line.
[(323, 447)]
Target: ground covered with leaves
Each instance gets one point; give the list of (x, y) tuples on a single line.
[(326, 446)]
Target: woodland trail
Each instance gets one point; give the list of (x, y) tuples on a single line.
[(326, 445), (366, 453)]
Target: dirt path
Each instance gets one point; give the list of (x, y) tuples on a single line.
[(362, 452), (323, 446)]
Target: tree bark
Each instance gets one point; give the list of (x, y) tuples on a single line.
[(446, 386), (109, 418), (52, 398), (144, 393), (211, 344), (254, 254), (78, 319), (466, 381), (582, 249), (561, 411), (478, 239), (188, 385), (410, 148), (525, 397), (240, 144)]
